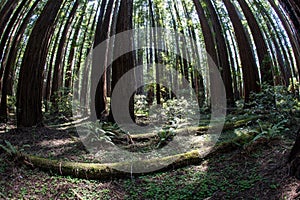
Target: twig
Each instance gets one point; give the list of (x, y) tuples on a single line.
[(77, 195)]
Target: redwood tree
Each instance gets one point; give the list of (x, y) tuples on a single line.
[(30, 83), (125, 62), (250, 71)]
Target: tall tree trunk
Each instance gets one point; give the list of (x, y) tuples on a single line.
[(125, 62), (102, 33), (156, 61), (58, 67), (261, 46), (292, 7), (250, 72), (223, 55), (6, 12), (77, 67), (5, 37), (71, 57), (30, 84), (295, 44), (12, 59), (212, 58)]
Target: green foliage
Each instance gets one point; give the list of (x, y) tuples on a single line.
[(63, 102), (9, 148), (11, 102), (192, 184), (178, 111), (279, 106), (270, 131), (140, 105), (96, 132), (276, 101), (166, 134)]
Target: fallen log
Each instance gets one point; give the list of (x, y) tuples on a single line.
[(108, 171)]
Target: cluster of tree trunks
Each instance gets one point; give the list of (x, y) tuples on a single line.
[(56, 42)]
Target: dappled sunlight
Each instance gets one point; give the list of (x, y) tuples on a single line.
[(55, 143)]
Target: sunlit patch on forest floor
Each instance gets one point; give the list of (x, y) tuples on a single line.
[(63, 142)]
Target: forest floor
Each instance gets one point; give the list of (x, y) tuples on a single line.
[(259, 172)]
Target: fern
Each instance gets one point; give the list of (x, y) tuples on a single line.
[(9, 148)]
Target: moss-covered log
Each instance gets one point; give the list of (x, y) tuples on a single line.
[(198, 130), (105, 171), (109, 171)]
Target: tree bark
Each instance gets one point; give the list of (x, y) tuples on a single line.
[(293, 39), (261, 46), (223, 60), (71, 57), (5, 37), (250, 72), (58, 67), (30, 84), (125, 62), (6, 13), (102, 33), (12, 59)]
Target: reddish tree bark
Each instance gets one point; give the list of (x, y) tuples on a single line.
[(58, 67), (125, 62), (12, 59), (102, 33), (30, 84), (261, 46), (250, 71)]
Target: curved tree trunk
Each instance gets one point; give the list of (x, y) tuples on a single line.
[(292, 7), (250, 72), (30, 84), (6, 12), (12, 59), (212, 57), (102, 33), (58, 67), (5, 37), (71, 58), (223, 60), (295, 44), (261, 46)]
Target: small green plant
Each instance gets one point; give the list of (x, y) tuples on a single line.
[(63, 103), (269, 131), (96, 132), (276, 101), (9, 148), (167, 133)]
